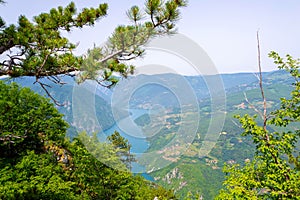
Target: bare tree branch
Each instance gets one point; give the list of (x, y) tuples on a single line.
[(43, 73), (261, 84), (265, 117), (253, 106), (43, 85), (9, 138), (111, 56)]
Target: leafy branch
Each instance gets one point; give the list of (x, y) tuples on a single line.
[(274, 171)]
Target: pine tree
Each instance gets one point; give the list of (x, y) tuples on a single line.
[(123, 148), (39, 49)]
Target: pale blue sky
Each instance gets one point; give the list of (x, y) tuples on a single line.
[(226, 30)]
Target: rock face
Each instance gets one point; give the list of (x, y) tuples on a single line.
[(62, 155), (174, 174)]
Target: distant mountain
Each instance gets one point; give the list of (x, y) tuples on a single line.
[(172, 92), (160, 88)]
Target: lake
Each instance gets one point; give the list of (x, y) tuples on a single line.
[(134, 135)]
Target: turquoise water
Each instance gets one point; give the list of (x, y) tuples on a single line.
[(139, 144)]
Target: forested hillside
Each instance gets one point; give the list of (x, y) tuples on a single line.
[(231, 147)]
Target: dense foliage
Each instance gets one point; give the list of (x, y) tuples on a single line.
[(274, 171), (26, 121), (37, 162)]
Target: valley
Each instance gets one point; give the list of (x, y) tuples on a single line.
[(175, 130)]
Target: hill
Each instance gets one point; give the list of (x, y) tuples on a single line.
[(189, 170)]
